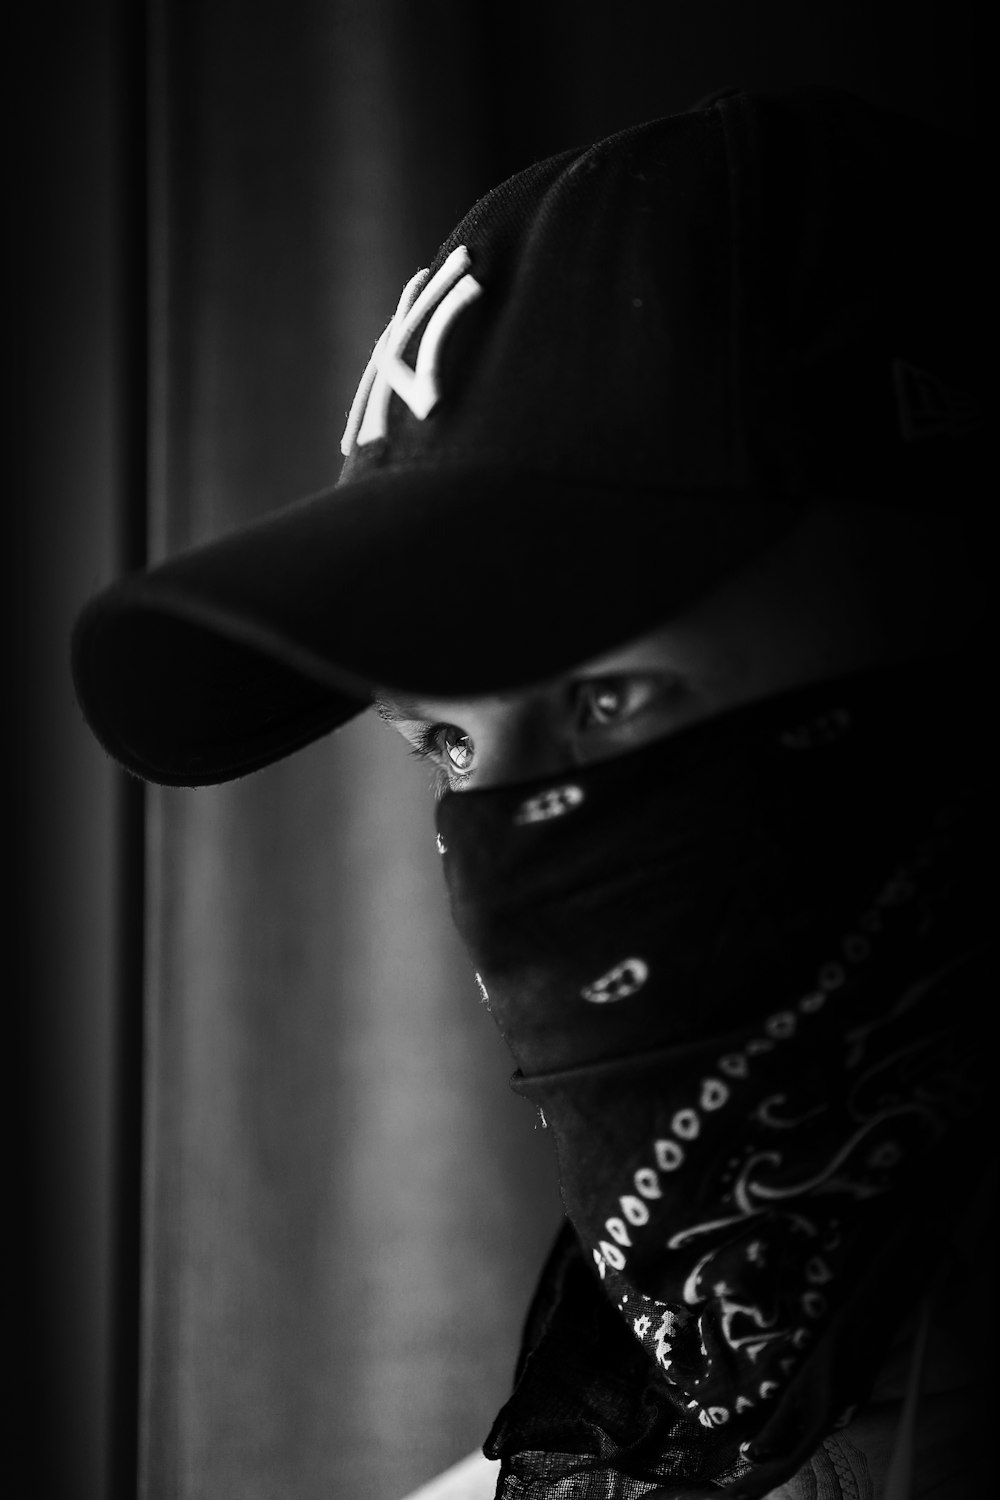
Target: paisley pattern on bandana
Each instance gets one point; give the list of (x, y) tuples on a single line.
[(760, 1140)]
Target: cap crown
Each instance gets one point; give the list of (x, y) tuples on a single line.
[(746, 297)]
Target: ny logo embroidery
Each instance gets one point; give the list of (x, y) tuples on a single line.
[(448, 292), (928, 408)]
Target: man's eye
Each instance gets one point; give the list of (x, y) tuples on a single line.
[(458, 748), (445, 746), (609, 700)]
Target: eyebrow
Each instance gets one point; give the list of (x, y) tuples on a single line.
[(412, 711), (392, 712)]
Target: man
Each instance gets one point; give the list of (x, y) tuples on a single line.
[(680, 433)]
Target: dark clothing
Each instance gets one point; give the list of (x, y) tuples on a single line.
[(741, 973)]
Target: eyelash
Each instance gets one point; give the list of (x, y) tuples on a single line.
[(425, 747)]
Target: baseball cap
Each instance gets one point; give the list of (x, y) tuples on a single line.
[(628, 368)]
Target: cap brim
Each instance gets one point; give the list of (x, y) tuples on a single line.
[(234, 654)]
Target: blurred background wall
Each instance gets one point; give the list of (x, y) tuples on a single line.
[(285, 1213)]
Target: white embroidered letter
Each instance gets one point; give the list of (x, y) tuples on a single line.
[(447, 292)]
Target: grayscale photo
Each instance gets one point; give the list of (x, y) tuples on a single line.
[(504, 582)]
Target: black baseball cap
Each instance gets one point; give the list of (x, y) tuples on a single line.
[(626, 371)]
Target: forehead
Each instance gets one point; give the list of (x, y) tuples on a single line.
[(657, 649), (654, 651)]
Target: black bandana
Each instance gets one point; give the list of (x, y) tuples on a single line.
[(738, 972)]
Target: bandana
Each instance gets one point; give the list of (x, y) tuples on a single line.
[(738, 971)]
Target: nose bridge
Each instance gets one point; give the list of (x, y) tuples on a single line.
[(524, 737)]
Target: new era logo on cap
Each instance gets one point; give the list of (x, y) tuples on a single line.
[(929, 408), (450, 290)]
